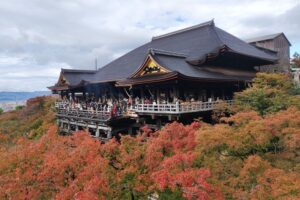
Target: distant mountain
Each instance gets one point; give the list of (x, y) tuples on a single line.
[(21, 96)]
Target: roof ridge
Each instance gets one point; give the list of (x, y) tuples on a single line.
[(266, 37), (168, 53), (218, 37), (263, 37), (78, 70), (208, 23)]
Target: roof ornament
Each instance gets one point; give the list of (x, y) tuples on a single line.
[(212, 22)]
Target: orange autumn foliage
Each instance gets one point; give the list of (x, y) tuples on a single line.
[(247, 156)]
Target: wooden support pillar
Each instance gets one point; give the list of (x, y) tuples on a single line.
[(204, 93), (176, 92), (69, 126), (130, 130), (152, 116), (223, 94), (142, 95), (76, 128), (212, 95), (73, 95), (158, 123), (97, 134), (157, 96), (109, 134)]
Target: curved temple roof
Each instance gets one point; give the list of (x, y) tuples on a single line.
[(187, 49)]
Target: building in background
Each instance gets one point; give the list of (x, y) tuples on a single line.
[(276, 44)]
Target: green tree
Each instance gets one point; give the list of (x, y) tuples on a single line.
[(19, 107), (1, 111), (296, 60), (269, 93)]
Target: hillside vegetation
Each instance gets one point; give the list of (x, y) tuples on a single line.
[(29, 122), (253, 152)]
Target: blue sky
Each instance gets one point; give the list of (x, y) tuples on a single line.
[(295, 48), (37, 38)]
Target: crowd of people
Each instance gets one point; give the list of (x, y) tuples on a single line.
[(117, 106)]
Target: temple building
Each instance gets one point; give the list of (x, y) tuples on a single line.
[(176, 76)]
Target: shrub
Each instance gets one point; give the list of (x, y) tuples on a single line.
[(269, 93), (19, 107)]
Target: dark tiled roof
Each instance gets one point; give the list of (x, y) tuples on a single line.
[(76, 76), (178, 66), (179, 50), (195, 43), (239, 46)]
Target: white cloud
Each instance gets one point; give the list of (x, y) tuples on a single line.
[(37, 38)]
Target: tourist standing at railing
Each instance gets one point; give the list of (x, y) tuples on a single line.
[(130, 102), (79, 106), (192, 106), (147, 101), (177, 102), (137, 100), (124, 104), (114, 110)]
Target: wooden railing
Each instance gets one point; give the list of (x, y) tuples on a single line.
[(85, 114), (178, 108), (63, 109), (104, 115)]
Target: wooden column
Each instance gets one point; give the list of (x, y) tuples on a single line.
[(157, 96), (73, 96), (69, 126), (142, 95), (176, 92), (223, 94), (97, 134), (130, 130), (109, 134)]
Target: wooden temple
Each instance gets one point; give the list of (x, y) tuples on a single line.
[(176, 76)]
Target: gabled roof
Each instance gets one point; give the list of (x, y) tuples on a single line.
[(179, 68), (266, 37), (178, 64), (181, 51), (76, 76), (195, 43)]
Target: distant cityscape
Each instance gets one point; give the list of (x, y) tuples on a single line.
[(9, 100)]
